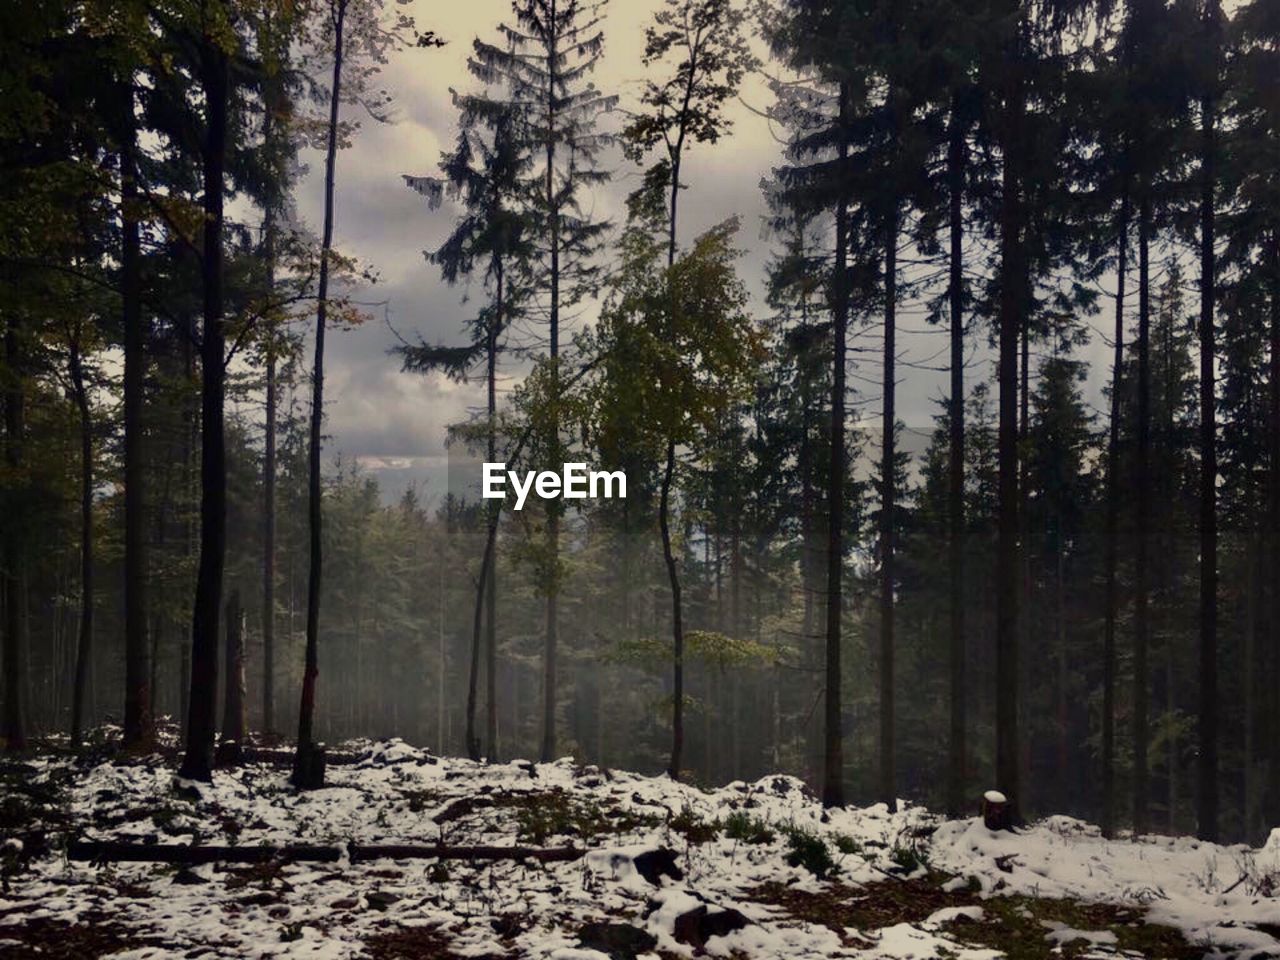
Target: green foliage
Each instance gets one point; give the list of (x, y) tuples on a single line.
[(541, 816), (743, 827), (846, 844), (808, 850), (693, 828)]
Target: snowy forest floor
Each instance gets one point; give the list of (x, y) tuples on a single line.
[(754, 871)]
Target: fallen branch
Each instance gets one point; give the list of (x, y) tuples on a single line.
[(116, 851)]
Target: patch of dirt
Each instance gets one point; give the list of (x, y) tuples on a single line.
[(1014, 925), (416, 943), (41, 937), (869, 907)]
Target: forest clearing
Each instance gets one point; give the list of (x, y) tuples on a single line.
[(590, 480)]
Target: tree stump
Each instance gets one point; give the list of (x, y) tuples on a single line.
[(308, 767), (997, 812)]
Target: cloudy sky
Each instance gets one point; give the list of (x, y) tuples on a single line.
[(394, 422)]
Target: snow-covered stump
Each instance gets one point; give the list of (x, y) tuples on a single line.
[(997, 812)]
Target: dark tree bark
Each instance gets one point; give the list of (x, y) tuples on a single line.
[(1271, 701), (491, 577), (833, 741), (306, 774), (197, 764), (958, 747), (138, 727), (474, 750), (14, 577), (231, 749), (677, 624), (84, 645), (269, 509), (888, 791), (1012, 309), (1207, 774), (551, 639), (1112, 592), (1142, 590)]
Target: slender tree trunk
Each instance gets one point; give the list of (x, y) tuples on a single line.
[(1025, 651), (305, 773), (664, 516), (491, 583), (1207, 775), (677, 626), (15, 635), (138, 726), (1111, 548), (552, 638), (269, 511), (1271, 702), (1141, 638), (231, 750), (84, 648), (197, 764), (473, 677), (958, 748), (888, 789), (833, 743), (1012, 317)]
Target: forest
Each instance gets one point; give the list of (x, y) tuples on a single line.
[(1063, 586)]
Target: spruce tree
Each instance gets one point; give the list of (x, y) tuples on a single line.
[(486, 172), (541, 70)]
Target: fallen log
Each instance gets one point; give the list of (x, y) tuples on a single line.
[(120, 851)]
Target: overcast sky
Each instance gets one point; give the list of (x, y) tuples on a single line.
[(394, 422)]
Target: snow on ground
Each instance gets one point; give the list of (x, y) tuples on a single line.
[(903, 885)]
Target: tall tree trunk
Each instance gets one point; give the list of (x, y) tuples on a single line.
[(1141, 638), (888, 791), (1207, 774), (1111, 549), (1270, 726), (15, 588), (474, 747), (833, 741), (231, 749), (957, 748), (84, 648), (138, 726), (269, 510), (1012, 309), (491, 581), (197, 764), (306, 774), (677, 625), (552, 637), (1024, 558), (664, 517)]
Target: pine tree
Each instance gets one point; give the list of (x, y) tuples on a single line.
[(548, 54), (816, 40), (486, 171)]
